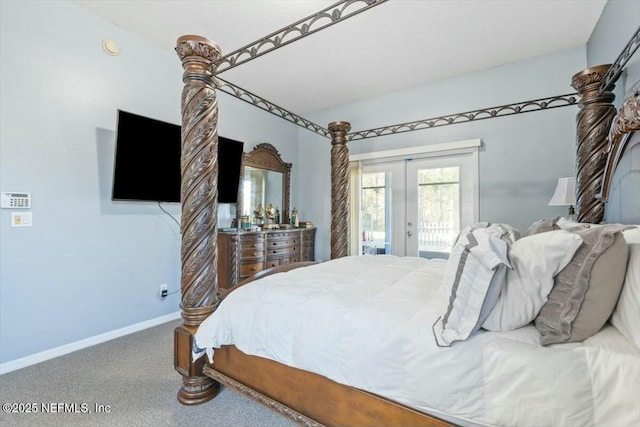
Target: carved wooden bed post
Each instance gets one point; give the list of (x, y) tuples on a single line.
[(339, 189), (593, 124), (199, 196)]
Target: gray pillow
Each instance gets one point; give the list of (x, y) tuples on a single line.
[(585, 292), (542, 226)]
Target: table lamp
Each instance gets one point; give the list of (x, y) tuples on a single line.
[(565, 194)]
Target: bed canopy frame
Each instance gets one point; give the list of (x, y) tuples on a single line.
[(597, 157)]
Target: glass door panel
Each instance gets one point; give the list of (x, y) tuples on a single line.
[(440, 200), (374, 213), (438, 210), (381, 207)]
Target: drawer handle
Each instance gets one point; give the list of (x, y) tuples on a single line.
[(253, 269)]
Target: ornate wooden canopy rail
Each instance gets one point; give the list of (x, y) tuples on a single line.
[(272, 108), (325, 18), (450, 119), (336, 13), (469, 116), (616, 69)]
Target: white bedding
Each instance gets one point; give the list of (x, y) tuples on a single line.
[(367, 322)]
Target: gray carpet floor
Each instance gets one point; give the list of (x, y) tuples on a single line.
[(134, 377)]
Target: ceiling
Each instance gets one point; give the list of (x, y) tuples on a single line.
[(396, 45)]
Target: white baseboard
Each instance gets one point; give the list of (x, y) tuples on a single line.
[(23, 362)]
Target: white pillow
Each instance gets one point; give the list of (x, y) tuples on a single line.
[(473, 278), (626, 316), (535, 260)]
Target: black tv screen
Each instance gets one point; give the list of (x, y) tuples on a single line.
[(229, 162), (147, 161)]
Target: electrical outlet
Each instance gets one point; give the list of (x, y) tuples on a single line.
[(163, 290)]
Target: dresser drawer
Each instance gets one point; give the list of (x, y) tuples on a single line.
[(287, 241), (282, 261), (294, 258), (252, 254), (250, 268), (249, 244), (276, 235), (307, 253), (282, 250), (274, 262)]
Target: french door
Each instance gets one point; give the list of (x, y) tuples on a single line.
[(416, 207)]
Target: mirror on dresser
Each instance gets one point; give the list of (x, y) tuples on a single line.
[(265, 179)]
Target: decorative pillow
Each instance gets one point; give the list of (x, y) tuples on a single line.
[(512, 233), (626, 315), (535, 261), (469, 229), (570, 225), (542, 226), (585, 292), (474, 275)]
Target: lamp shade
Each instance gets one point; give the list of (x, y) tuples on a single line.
[(565, 194)]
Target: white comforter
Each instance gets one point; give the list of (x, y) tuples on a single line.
[(367, 322)]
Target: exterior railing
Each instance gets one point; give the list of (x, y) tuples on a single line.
[(436, 236)]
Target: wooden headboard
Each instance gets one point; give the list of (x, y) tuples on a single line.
[(621, 177)]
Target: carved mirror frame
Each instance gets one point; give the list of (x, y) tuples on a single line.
[(266, 156)]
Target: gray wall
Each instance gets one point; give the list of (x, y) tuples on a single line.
[(88, 265), (521, 158)]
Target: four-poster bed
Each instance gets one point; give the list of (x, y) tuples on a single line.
[(307, 397)]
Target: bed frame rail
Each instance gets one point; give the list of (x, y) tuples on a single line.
[(294, 392)]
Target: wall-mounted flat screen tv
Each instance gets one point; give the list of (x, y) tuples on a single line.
[(147, 161)]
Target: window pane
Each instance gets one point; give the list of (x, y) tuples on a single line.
[(438, 175), (373, 180), (439, 208)]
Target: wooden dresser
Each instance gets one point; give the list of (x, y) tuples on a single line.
[(244, 253)]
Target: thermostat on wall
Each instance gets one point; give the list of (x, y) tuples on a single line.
[(11, 200)]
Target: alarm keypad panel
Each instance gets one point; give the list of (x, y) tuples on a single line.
[(15, 200)]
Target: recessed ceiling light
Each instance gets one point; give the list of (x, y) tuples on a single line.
[(111, 47)]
